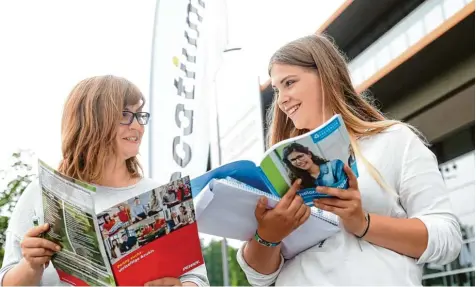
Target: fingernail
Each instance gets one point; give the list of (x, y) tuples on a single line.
[(45, 225), (299, 181), (58, 248)]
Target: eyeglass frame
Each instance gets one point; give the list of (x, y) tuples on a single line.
[(297, 158), (136, 116)]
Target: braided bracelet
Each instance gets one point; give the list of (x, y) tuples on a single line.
[(264, 242)]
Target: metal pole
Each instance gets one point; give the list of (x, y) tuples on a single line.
[(152, 87), (224, 256), (224, 245)]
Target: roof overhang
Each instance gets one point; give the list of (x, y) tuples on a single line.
[(353, 28), (450, 43)]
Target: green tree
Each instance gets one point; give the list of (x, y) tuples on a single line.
[(213, 261), (17, 176), (237, 276)]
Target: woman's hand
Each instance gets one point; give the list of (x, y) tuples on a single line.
[(38, 251), (346, 204), (168, 281), (277, 223)]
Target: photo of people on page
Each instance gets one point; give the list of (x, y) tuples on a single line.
[(146, 217), (180, 215), (312, 169), (317, 161)]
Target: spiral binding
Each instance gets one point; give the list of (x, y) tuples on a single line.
[(319, 213)]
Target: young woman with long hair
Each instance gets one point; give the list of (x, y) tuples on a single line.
[(311, 169), (395, 217), (102, 128)]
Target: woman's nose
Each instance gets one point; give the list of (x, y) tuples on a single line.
[(135, 124), (283, 99)]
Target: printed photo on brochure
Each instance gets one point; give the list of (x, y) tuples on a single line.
[(135, 223), (317, 159)]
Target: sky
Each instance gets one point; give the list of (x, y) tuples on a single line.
[(50, 45)]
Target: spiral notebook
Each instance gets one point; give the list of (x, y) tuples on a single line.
[(225, 208)]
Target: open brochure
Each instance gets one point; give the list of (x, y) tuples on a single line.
[(147, 237), (316, 157)]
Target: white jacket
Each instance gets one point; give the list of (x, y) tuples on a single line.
[(411, 169)]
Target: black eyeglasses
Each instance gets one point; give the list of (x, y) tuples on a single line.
[(299, 157), (128, 118)]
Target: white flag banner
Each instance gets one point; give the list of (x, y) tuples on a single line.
[(189, 39)]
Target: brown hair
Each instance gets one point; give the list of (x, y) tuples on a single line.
[(91, 115), (317, 52)]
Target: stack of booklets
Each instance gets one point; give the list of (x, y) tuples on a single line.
[(226, 197)]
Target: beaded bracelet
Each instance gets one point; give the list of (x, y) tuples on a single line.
[(264, 242)]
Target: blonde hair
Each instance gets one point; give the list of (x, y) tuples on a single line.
[(91, 115), (317, 52)]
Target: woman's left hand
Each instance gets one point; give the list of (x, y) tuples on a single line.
[(346, 204)]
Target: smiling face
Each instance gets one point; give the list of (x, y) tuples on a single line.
[(129, 136), (300, 160), (299, 95)]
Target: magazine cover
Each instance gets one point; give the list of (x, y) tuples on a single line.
[(152, 235), (317, 158), (149, 236)]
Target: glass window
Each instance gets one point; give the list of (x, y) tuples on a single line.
[(434, 18), (450, 7), (398, 45), (415, 32)]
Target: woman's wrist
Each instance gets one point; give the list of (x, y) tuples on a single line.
[(366, 225), (265, 242), (29, 268), (266, 236), (23, 274)]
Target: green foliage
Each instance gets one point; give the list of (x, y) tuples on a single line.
[(213, 261), (18, 175)]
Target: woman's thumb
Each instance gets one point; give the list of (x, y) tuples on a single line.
[(261, 207)]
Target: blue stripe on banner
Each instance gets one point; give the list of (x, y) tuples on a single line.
[(326, 131)]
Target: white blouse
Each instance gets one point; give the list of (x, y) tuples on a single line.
[(411, 169)]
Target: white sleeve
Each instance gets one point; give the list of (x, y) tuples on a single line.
[(12, 254), (253, 277), (423, 194), (20, 222)]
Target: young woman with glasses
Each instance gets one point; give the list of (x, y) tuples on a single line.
[(102, 128)]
